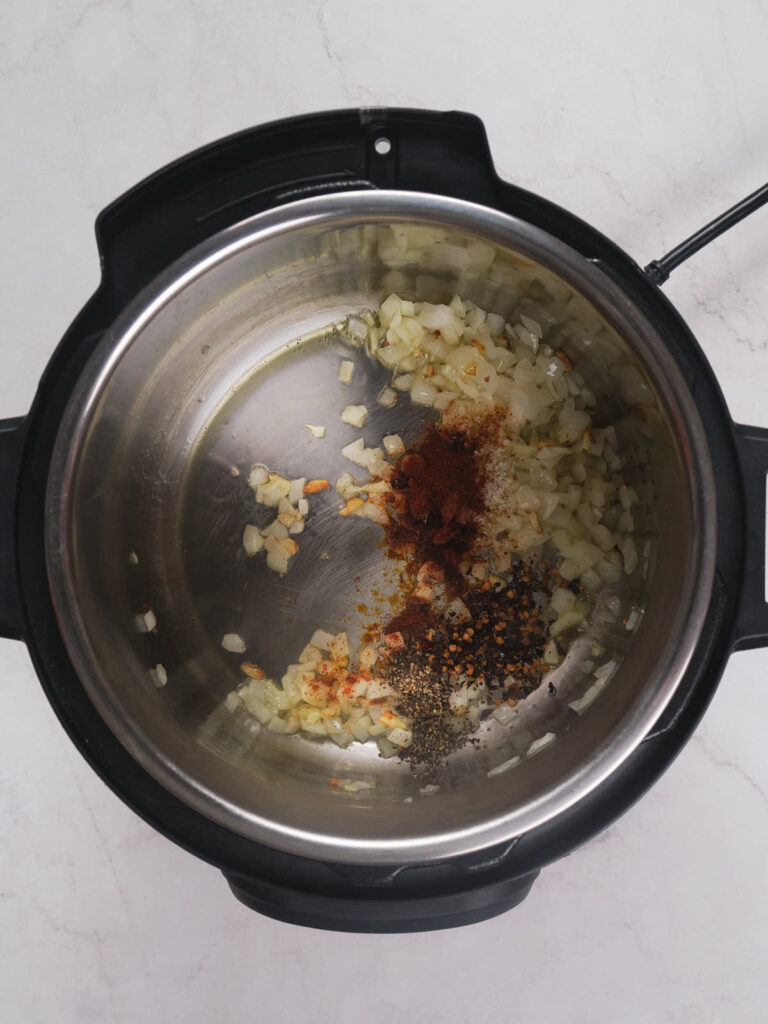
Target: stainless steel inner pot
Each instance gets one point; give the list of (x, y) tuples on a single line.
[(218, 365)]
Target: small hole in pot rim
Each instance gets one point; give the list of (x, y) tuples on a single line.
[(382, 145)]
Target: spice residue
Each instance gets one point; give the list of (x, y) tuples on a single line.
[(458, 629), (439, 484), (500, 520)]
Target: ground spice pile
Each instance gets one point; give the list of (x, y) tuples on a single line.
[(458, 626), (441, 482)]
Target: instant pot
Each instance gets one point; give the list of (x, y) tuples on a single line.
[(202, 346)]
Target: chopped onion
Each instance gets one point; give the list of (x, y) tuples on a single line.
[(357, 452), (503, 767), (422, 392), (252, 540), (296, 490), (354, 415), (588, 696), (233, 642), (504, 714), (322, 639), (146, 622), (400, 737), (633, 619), (357, 329), (159, 675), (542, 741), (565, 622), (338, 648), (276, 530), (393, 444), (387, 398), (259, 475), (562, 600), (429, 790), (275, 488), (561, 484)]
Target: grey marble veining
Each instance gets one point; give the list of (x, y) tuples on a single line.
[(646, 120)]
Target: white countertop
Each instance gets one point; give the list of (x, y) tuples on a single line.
[(645, 120)]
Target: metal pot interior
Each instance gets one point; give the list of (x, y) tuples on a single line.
[(219, 365)]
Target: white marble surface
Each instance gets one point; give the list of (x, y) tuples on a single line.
[(645, 119)]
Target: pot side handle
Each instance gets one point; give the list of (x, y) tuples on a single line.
[(751, 624), (11, 440)]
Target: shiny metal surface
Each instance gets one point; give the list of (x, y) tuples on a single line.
[(218, 365)]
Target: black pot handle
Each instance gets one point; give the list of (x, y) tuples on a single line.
[(164, 216), (11, 440), (751, 625), (377, 911)]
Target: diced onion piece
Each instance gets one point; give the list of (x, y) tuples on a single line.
[(503, 767), (275, 531), (629, 552), (339, 648), (589, 695), (374, 512), (259, 475), (354, 452), (504, 714), (315, 430), (368, 658), (322, 639), (542, 741), (159, 675), (429, 790), (633, 619), (252, 540), (377, 689), (422, 392), (233, 643), (277, 561), (346, 369), (386, 747), (303, 506), (357, 329), (296, 490), (147, 621), (354, 415), (312, 652), (387, 398), (393, 444), (606, 670), (565, 622), (275, 488), (346, 486), (400, 737), (562, 600)]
